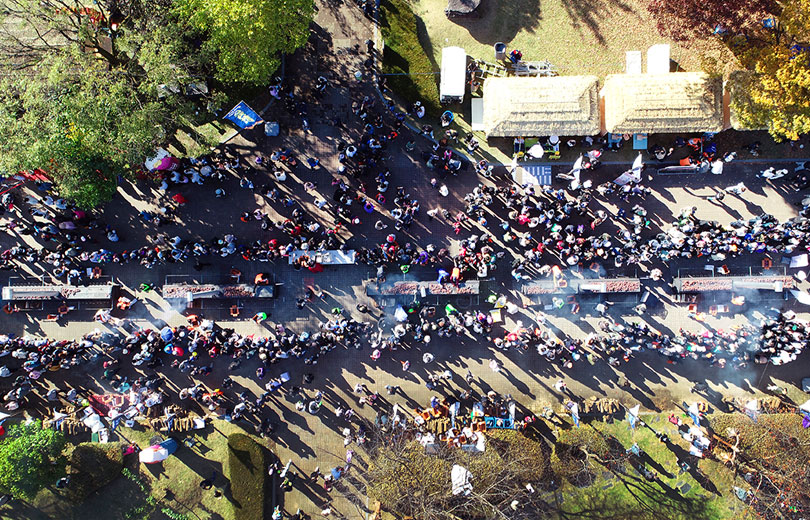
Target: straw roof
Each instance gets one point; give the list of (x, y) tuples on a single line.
[(674, 102), (536, 106)]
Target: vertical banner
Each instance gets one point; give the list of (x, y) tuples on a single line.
[(632, 415)]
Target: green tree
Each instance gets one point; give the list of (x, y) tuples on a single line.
[(84, 130), (88, 92), (30, 459), (32, 29), (245, 38)]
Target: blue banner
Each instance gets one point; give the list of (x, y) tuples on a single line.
[(243, 116)]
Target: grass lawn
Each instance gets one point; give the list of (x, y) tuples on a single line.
[(577, 37), (405, 58), (247, 464), (173, 484), (699, 503)]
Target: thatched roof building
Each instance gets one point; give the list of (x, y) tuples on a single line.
[(537, 106), (661, 103)]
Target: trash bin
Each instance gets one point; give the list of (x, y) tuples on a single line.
[(500, 51)]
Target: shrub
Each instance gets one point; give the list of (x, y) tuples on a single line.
[(91, 467), (246, 470), (30, 459), (405, 56)]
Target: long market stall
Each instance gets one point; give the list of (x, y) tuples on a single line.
[(46, 292)]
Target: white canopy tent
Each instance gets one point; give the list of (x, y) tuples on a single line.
[(454, 74)]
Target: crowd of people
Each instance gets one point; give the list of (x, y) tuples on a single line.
[(538, 230), (195, 348)]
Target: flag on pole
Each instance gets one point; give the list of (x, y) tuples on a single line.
[(752, 409), (575, 413), (243, 116), (632, 415), (694, 413)]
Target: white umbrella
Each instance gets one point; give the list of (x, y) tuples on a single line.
[(536, 151)]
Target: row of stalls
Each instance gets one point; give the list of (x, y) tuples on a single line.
[(390, 293), (557, 293), (731, 294), (194, 295)]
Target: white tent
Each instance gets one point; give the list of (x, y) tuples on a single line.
[(454, 74), (460, 479)]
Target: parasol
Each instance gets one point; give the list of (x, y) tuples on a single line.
[(536, 151), (166, 334)]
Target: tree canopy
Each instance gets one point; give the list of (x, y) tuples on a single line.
[(773, 452), (776, 93), (408, 481), (83, 130), (244, 38), (89, 90), (30, 459)]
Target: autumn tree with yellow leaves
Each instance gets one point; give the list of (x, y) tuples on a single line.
[(770, 39)]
